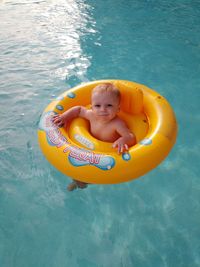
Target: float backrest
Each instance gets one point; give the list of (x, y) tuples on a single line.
[(131, 97)]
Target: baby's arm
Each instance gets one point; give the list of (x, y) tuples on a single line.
[(72, 113), (127, 137)]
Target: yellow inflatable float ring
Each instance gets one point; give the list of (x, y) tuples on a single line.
[(76, 153)]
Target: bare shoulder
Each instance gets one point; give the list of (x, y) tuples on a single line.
[(120, 125), (85, 113), (119, 122)]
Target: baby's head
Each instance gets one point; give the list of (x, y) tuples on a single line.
[(106, 100), (107, 88)]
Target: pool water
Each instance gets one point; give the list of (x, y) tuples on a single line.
[(48, 47)]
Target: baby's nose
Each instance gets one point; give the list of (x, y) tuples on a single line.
[(103, 108)]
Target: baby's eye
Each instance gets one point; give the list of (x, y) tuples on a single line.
[(97, 106), (109, 105)]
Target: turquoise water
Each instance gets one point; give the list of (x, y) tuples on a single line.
[(47, 47)]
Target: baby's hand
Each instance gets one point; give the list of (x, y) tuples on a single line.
[(58, 119), (120, 145)]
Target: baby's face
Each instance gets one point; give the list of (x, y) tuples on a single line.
[(105, 105)]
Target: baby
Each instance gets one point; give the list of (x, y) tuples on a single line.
[(105, 125)]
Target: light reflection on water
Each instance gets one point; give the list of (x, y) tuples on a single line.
[(50, 33)]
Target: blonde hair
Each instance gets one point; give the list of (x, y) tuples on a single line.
[(107, 87)]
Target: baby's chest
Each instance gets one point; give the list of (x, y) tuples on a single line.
[(103, 132), (100, 128)]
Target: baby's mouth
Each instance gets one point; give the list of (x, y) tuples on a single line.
[(103, 115)]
